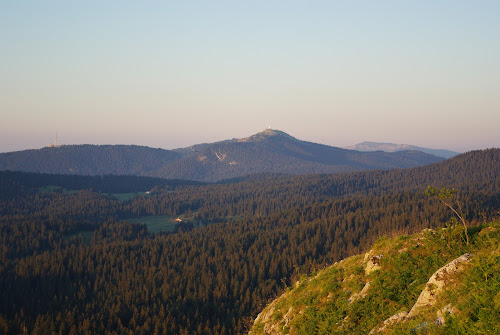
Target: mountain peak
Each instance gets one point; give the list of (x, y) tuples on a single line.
[(266, 134)]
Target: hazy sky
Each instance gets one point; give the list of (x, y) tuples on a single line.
[(174, 73)]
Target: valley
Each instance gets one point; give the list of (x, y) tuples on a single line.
[(89, 254)]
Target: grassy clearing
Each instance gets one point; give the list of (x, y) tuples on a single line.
[(54, 188), (48, 189), (156, 223)]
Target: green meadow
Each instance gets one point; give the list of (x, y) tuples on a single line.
[(156, 223)]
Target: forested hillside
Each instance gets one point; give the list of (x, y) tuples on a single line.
[(13, 183), (88, 160), (69, 263), (273, 151), (270, 151)]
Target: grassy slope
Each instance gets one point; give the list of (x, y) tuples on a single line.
[(320, 304)]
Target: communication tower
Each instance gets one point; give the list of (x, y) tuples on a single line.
[(56, 144)]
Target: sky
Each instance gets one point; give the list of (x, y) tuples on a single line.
[(170, 74)]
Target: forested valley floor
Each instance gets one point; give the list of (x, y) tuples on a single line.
[(71, 263)]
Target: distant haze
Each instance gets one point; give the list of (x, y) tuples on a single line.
[(172, 74), (392, 147)]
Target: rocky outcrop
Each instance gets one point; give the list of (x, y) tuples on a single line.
[(397, 318), (373, 264), (271, 324), (361, 294), (438, 281), (264, 317)]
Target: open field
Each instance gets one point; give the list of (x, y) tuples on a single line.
[(54, 188), (156, 223)]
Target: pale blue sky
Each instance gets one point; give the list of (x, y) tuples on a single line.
[(171, 74)]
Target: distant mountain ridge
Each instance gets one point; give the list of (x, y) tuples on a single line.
[(88, 159), (270, 151), (392, 147)]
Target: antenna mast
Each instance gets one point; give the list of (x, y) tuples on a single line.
[(56, 144)]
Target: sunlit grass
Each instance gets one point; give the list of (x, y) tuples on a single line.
[(321, 303)]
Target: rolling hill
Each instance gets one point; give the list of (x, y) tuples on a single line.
[(88, 160), (270, 151)]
